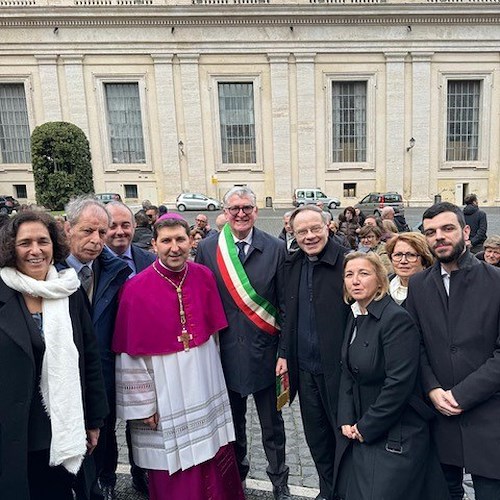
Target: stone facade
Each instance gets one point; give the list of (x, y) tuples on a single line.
[(292, 52)]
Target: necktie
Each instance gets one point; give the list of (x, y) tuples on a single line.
[(85, 277), (241, 250)]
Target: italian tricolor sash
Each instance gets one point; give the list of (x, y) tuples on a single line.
[(257, 309)]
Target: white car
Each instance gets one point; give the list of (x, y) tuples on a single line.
[(196, 201)]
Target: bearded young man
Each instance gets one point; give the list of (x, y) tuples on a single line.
[(456, 305)]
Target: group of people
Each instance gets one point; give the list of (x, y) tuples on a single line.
[(396, 361)]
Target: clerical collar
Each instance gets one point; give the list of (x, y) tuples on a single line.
[(77, 264), (171, 270)]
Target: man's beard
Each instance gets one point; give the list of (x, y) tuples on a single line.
[(458, 250)]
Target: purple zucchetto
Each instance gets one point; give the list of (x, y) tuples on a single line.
[(170, 215)]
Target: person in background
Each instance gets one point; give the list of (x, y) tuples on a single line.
[(477, 221), (313, 332), (249, 345), (370, 241), (349, 226), (152, 215), (46, 336), (491, 253), (409, 254), (381, 412), (373, 220), (196, 236), (162, 210), (201, 223), (170, 383), (101, 275), (143, 233), (286, 234), (220, 221), (119, 242), (390, 229), (399, 220), (456, 305)]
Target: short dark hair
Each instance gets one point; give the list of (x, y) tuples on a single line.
[(162, 209), (141, 219), (152, 207), (470, 199), (160, 224), (445, 206), (9, 232)]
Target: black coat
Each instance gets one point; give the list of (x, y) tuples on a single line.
[(330, 312), (379, 393), (19, 381), (476, 220), (461, 336), (248, 354)]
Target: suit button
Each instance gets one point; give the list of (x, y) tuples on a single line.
[(453, 349)]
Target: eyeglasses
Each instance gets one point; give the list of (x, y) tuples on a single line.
[(314, 230), (409, 256), (246, 209), (200, 220)]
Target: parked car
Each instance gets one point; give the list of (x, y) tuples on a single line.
[(311, 196), (373, 203), (8, 204), (107, 197), (196, 201)]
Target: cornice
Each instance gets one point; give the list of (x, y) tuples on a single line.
[(249, 15)]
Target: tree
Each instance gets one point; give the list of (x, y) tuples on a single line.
[(60, 156)]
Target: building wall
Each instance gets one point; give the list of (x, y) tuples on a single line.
[(64, 52)]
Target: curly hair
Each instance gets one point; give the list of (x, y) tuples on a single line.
[(9, 232)]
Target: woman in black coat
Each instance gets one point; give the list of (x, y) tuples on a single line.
[(380, 412), (52, 399)]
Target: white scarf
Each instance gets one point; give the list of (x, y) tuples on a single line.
[(60, 385), (397, 291)]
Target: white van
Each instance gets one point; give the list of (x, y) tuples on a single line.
[(311, 196)]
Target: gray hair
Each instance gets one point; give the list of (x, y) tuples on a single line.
[(242, 192), (492, 241), (76, 206), (310, 208), (120, 204), (288, 214)]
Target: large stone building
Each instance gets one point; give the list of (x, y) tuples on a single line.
[(351, 96)]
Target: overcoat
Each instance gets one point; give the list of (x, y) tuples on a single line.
[(330, 312), (461, 337), (248, 354), (18, 384), (379, 393), (142, 258)]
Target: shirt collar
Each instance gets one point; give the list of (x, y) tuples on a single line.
[(127, 253), (247, 240), (77, 264), (356, 310)]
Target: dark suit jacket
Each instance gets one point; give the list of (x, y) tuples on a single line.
[(18, 383), (461, 337), (248, 354), (330, 310), (142, 258)]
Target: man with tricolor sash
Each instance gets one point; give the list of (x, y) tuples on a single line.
[(248, 265)]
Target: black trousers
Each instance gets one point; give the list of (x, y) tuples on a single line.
[(45, 482), (273, 433), (135, 470), (106, 451), (319, 427), (484, 487)]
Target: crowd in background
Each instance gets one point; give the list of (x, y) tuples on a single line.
[(390, 338)]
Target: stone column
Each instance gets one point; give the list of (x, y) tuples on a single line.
[(191, 154), (395, 121), (47, 69), (75, 88), (172, 175), (280, 100), (421, 182), (306, 121)]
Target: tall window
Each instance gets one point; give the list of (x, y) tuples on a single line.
[(237, 122), (125, 122), (349, 121), (14, 126), (462, 137), (130, 190), (21, 191)]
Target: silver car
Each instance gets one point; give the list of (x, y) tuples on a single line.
[(196, 201)]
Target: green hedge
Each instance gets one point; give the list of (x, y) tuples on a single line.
[(60, 156)]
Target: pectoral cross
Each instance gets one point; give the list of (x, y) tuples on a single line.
[(185, 337)]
